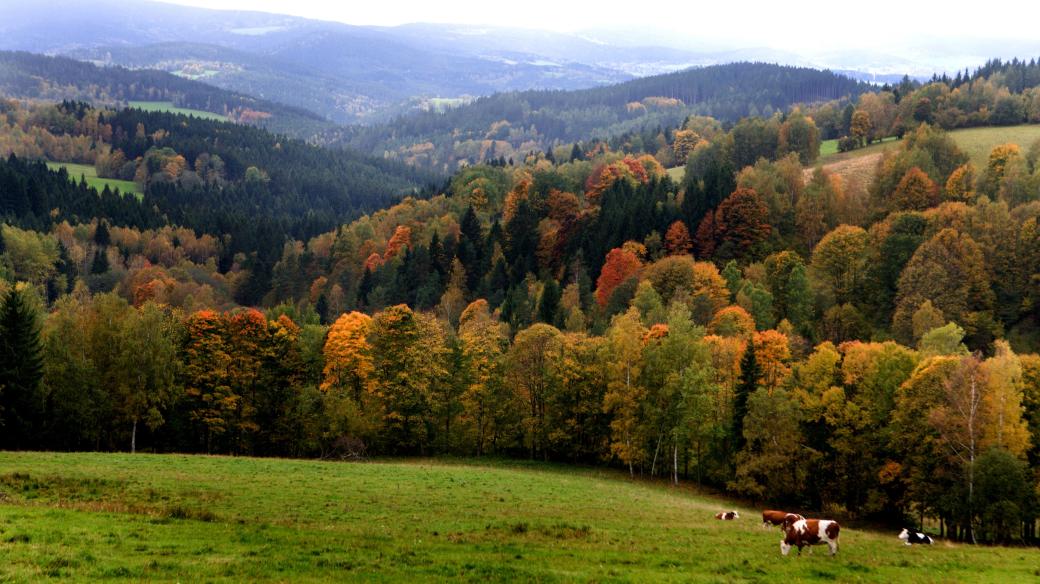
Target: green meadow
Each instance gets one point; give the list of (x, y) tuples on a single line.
[(167, 106), (90, 173), (975, 142), (978, 142), (120, 517)]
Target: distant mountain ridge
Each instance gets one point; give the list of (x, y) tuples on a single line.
[(32, 76), (516, 123)]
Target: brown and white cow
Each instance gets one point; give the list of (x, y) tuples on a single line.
[(810, 532), (779, 518), (727, 515)]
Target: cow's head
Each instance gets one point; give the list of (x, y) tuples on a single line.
[(784, 547), (904, 535), (790, 520), (736, 515)]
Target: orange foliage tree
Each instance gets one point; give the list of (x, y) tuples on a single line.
[(677, 239), (620, 265)]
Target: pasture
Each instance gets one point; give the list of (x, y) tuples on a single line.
[(88, 517), (88, 172), (977, 142), (167, 106)]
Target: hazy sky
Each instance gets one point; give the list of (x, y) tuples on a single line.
[(810, 24)]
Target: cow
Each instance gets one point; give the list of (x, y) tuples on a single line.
[(727, 515), (810, 532), (912, 536), (779, 518)]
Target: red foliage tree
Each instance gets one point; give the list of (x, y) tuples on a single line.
[(741, 221), (620, 265), (677, 239)]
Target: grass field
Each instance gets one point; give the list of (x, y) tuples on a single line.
[(90, 173), (677, 173), (88, 517), (977, 142), (829, 150), (167, 106)]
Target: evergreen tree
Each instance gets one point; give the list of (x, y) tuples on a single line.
[(322, 308), (750, 373), (100, 263), (101, 234), (21, 369), (366, 286), (549, 306)]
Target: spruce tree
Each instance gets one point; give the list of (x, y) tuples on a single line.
[(21, 369), (322, 308), (101, 234), (750, 373), (549, 305), (100, 264)]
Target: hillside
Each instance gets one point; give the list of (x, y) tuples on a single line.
[(514, 124), (346, 73), (857, 168), (38, 77), (86, 517)]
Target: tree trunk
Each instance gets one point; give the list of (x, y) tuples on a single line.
[(133, 438), (675, 463), (628, 445), (653, 465)]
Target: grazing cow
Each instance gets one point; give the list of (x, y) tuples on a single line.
[(811, 532), (779, 518), (912, 536), (727, 515)]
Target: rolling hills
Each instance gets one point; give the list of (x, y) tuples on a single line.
[(515, 123), (39, 77), (162, 517)]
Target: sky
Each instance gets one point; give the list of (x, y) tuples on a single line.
[(816, 25)]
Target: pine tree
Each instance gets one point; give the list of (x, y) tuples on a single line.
[(549, 305), (366, 286), (322, 308), (750, 374), (101, 234), (100, 264), (21, 369)]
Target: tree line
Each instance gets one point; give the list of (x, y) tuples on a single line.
[(32, 76), (514, 123)]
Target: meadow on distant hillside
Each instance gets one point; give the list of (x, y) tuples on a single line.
[(87, 517), (88, 172), (167, 106)]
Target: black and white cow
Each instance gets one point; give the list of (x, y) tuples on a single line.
[(912, 537)]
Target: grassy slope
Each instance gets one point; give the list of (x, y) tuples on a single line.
[(90, 173), (858, 166), (167, 517), (167, 106), (977, 142)]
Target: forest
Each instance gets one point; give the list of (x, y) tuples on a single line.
[(514, 123), (38, 77), (756, 327)]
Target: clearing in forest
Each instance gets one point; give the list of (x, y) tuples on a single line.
[(88, 172), (167, 106)]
